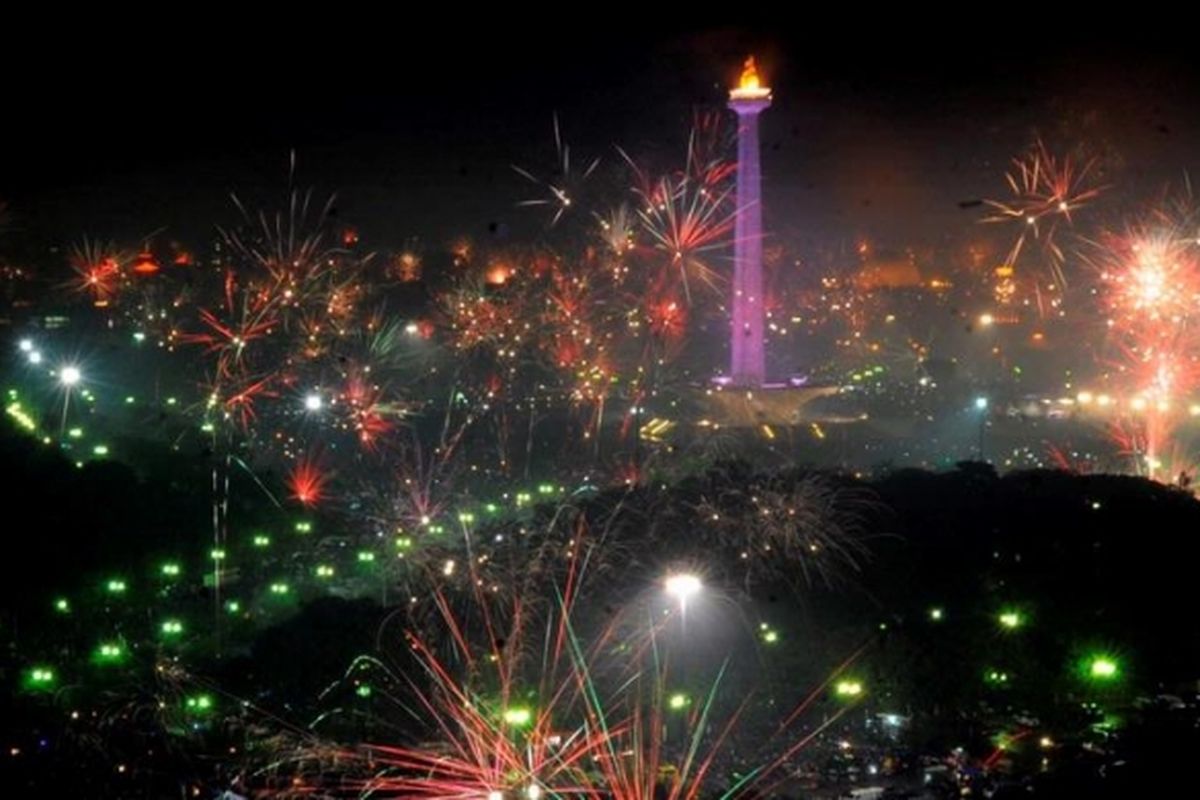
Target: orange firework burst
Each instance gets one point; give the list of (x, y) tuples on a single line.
[(1046, 191)]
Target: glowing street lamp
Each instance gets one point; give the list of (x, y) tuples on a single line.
[(1011, 620), (678, 701), (39, 679), (313, 402), (981, 405), (995, 677), (69, 376), (109, 653), (682, 586), (1101, 668), (199, 704), (848, 689)]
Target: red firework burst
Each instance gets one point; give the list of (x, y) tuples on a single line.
[(307, 481), (98, 270)]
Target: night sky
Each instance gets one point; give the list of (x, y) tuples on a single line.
[(870, 135)]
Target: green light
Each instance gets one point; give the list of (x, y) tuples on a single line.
[(466, 517), (363, 690), (403, 542), (280, 588), (23, 419), (1103, 668), (208, 427), (1011, 620), (545, 488), (100, 450), (62, 605), (491, 508), (75, 433), (524, 499), (139, 337), (171, 401), (303, 526), (115, 586), (262, 541), (40, 679), (996, 677), (217, 555), (678, 701), (770, 637), (365, 556), (170, 569), (848, 688), (233, 606), (130, 400), (172, 627), (324, 571), (936, 614), (518, 717), (109, 653), (199, 704)]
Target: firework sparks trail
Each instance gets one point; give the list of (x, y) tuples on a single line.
[(1046, 192), (564, 187)]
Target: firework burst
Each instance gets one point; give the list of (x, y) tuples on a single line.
[(1046, 191)]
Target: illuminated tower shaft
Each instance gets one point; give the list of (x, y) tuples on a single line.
[(747, 345)]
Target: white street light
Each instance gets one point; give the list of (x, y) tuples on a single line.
[(682, 586), (70, 376), (313, 402)]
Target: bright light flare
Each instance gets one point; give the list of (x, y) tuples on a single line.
[(1011, 620), (682, 586)]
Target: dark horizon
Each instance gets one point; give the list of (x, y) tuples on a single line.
[(417, 142)]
